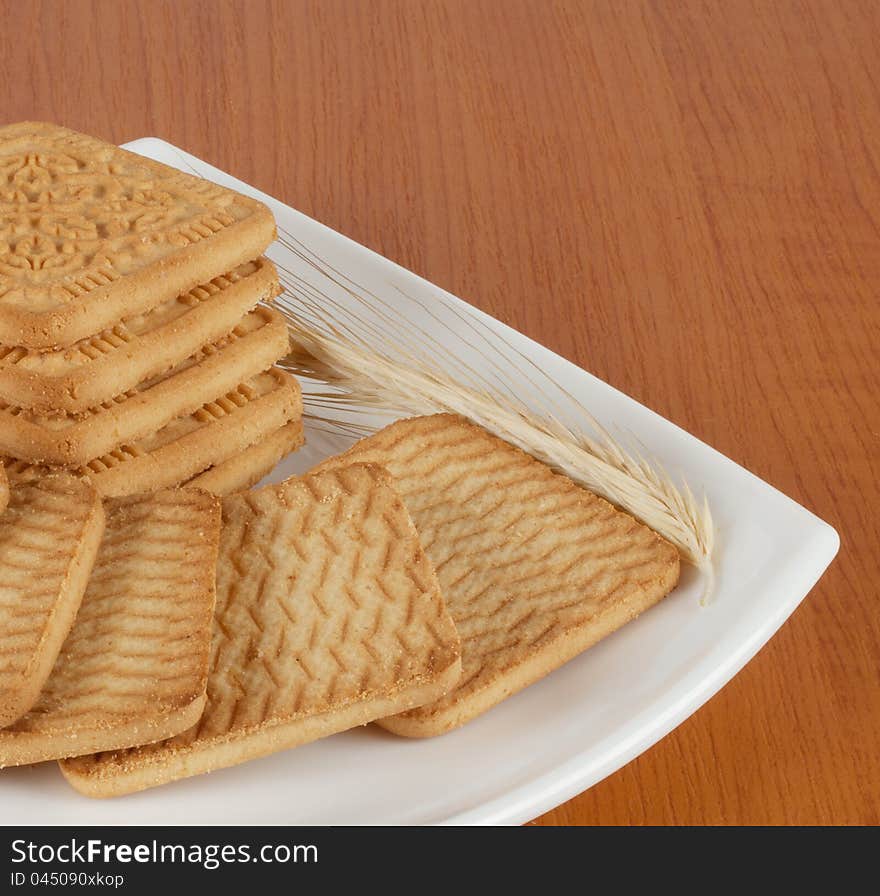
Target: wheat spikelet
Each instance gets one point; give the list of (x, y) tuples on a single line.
[(373, 357), (380, 358)]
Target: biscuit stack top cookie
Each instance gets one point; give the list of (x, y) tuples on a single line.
[(134, 345)]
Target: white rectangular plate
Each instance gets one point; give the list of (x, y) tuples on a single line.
[(559, 736)]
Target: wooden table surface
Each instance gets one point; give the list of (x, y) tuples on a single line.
[(682, 197)]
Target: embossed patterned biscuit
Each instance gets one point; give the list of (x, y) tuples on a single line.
[(251, 465), (188, 445), (328, 616), (534, 569), (91, 234), (96, 369), (4, 488), (134, 667), (49, 535), (73, 440)]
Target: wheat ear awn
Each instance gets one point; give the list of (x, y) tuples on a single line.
[(373, 355)]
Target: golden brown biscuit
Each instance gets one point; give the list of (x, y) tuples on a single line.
[(328, 616), (189, 445), (95, 234), (134, 666), (258, 340), (94, 370), (246, 469), (534, 568), (49, 536)]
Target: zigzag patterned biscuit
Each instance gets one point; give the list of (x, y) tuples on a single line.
[(49, 535), (328, 616), (134, 667), (95, 234), (246, 469), (73, 380), (534, 569), (253, 345), (189, 445)]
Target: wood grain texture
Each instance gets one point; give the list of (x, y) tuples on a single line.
[(683, 197)]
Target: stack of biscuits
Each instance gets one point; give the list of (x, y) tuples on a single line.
[(135, 346)]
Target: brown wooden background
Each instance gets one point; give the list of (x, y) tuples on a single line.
[(682, 197)]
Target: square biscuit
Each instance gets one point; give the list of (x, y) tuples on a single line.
[(73, 379), (246, 469), (534, 568), (328, 616), (95, 234), (49, 536), (72, 440), (134, 667), (188, 445)]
